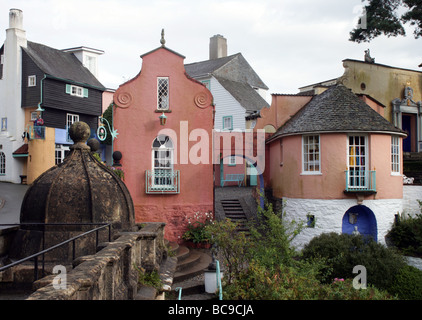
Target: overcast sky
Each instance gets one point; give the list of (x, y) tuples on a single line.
[(289, 43)]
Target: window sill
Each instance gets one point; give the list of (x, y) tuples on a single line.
[(311, 174), (161, 111)]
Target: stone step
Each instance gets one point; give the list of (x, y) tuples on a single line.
[(182, 253), (192, 266)]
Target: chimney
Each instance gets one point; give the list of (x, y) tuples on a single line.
[(218, 47), (15, 19)]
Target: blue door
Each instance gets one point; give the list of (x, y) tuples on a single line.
[(362, 219), (407, 126)]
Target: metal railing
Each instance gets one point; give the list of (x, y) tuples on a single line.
[(360, 180), (162, 181), (37, 132), (42, 253)]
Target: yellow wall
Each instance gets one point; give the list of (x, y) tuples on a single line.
[(381, 82), (41, 155)]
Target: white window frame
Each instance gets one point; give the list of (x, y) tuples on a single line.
[(34, 115), (60, 153), (163, 93), (232, 160), (2, 164), (354, 155), (70, 119), (230, 127), (162, 158), (395, 155), (32, 81), (311, 158), (76, 91)]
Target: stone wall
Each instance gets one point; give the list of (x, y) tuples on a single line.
[(110, 274), (329, 215)]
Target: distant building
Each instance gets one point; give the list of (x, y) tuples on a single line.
[(397, 89), (43, 91), (238, 95)]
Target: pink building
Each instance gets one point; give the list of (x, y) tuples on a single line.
[(164, 121), (335, 163)]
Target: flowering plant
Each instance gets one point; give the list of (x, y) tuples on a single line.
[(196, 229), (119, 172)]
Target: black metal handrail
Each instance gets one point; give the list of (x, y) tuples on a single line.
[(44, 251)]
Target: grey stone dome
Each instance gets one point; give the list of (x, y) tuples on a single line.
[(79, 190)]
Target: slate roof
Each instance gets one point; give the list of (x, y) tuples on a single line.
[(59, 64), (234, 67), (337, 109), (248, 97), (236, 76)]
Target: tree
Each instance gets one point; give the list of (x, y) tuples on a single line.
[(108, 115), (388, 17)]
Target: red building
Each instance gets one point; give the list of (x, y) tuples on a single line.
[(164, 120)]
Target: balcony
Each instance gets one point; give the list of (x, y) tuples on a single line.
[(36, 132), (360, 181), (162, 181)]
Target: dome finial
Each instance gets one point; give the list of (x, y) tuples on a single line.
[(79, 132), (162, 41)]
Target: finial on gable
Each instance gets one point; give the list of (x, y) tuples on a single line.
[(162, 41)]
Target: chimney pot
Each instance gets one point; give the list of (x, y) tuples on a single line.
[(15, 19), (218, 47)]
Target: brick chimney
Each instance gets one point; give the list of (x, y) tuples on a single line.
[(218, 47)]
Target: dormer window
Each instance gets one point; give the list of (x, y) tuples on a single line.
[(162, 93), (76, 91)]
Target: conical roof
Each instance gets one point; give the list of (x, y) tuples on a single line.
[(337, 109)]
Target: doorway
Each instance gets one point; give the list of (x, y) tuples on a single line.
[(409, 126)]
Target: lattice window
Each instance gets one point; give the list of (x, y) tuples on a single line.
[(2, 164), (358, 161), (311, 158), (163, 93)]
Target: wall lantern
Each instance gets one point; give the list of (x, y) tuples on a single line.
[(163, 119)]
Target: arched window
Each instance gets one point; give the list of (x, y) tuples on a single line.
[(162, 160), (2, 164)]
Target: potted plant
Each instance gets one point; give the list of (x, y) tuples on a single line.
[(196, 233)]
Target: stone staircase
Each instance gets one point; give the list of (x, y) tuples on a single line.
[(189, 274), (233, 210)]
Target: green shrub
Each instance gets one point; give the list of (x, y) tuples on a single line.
[(407, 283), (288, 283), (343, 252), (406, 235)]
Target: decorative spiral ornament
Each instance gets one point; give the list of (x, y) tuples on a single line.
[(124, 99), (202, 100)]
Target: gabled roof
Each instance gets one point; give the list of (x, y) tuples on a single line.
[(247, 97), (234, 67), (62, 65), (337, 109)]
